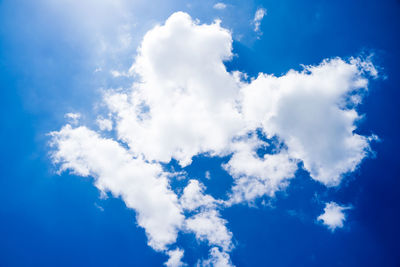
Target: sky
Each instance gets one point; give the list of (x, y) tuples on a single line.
[(199, 133)]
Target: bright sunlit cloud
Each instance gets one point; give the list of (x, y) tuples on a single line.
[(185, 103)]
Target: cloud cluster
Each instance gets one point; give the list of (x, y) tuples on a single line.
[(185, 103)]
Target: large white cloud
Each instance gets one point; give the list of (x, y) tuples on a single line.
[(143, 186), (313, 112), (185, 103)]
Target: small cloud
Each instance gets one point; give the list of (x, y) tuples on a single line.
[(374, 137), (217, 258), (219, 6), (104, 124), (258, 16), (333, 216), (365, 65), (175, 258), (117, 74), (72, 118), (207, 175), (99, 207), (178, 175)]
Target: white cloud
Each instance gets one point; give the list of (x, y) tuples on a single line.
[(175, 258), (184, 103), (104, 124), (313, 112), (187, 103), (258, 16), (193, 197), (117, 74), (219, 6), (333, 216), (217, 259), (207, 224), (141, 185), (72, 118), (258, 176)]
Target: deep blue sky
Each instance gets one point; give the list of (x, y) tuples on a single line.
[(55, 220)]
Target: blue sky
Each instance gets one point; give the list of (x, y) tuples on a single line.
[(64, 57)]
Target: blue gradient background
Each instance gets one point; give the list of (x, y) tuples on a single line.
[(59, 220)]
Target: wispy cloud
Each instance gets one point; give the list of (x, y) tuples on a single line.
[(258, 16), (219, 6)]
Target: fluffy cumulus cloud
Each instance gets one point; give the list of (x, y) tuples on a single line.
[(143, 186), (193, 197), (313, 112), (333, 216), (206, 223), (217, 258), (175, 258), (257, 176), (185, 103)]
